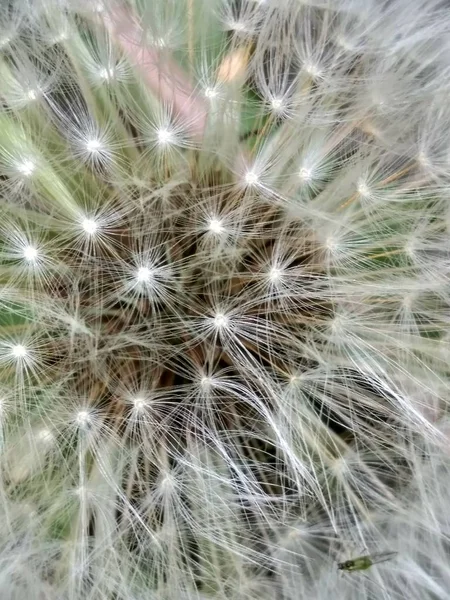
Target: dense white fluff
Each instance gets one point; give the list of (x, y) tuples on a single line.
[(224, 299)]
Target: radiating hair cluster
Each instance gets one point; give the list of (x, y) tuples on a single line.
[(224, 299)]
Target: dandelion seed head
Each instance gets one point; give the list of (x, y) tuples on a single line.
[(60, 37), (332, 245), (90, 226), (274, 275), (157, 41), (107, 73), (215, 226), (211, 93), (30, 253), (4, 41), (237, 25), (98, 7), (408, 300), (144, 275), (277, 104), (45, 436), (423, 159), (80, 491), (340, 466), (206, 382), (165, 136), (221, 321), (93, 145), (363, 189), (338, 324), (32, 94), (305, 175), (139, 404), (313, 70), (26, 167), (168, 483), (251, 178), (19, 351), (345, 43), (83, 418), (410, 248)]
